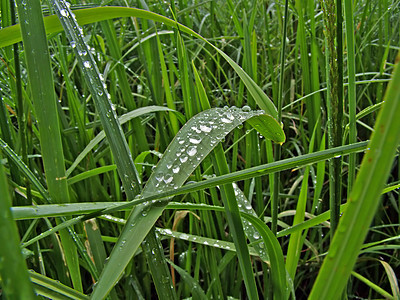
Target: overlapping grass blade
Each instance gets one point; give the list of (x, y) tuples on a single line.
[(97, 87), (53, 289)]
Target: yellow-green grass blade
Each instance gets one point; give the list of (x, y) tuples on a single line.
[(363, 200), (13, 271)]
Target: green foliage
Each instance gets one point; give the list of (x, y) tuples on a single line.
[(108, 113)]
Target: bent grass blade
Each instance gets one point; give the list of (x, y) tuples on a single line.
[(190, 146)]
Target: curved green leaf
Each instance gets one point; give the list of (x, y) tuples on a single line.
[(190, 146)]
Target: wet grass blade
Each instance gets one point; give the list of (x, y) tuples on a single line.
[(191, 145), (42, 88), (97, 87)]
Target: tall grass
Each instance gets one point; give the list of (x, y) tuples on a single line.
[(177, 150)]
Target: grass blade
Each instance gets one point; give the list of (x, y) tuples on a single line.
[(13, 270), (42, 88)]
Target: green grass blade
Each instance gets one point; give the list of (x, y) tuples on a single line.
[(362, 203), (42, 88), (372, 285), (300, 161), (13, 270), (235, 224), (25, 170), (352, 97), (154, 252)]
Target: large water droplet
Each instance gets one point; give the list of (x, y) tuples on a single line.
[(191, 151), (168, 178), (64, 13), (176, 169), (87, 64), (225, 120), (159, 176), (195, 139), (183, 158), (205, 128)]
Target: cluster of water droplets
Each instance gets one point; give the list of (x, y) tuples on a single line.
[(192, 143), (251, 232), (196, 239)]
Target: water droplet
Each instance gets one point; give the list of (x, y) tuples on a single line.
[(256, 235), (168, 178), (183, 158), (64, 13), (82, 52), (191, 151), (87, 64), (195, 139), (205, 128), (159, 176), (225, 120), (184, 236), (246, 108), (176, 169)]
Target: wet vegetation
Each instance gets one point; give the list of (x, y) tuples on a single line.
[(199, 149)]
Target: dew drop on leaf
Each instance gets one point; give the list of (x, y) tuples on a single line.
[(191, 151)]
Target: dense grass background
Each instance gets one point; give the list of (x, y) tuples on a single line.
[(93, 118)]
